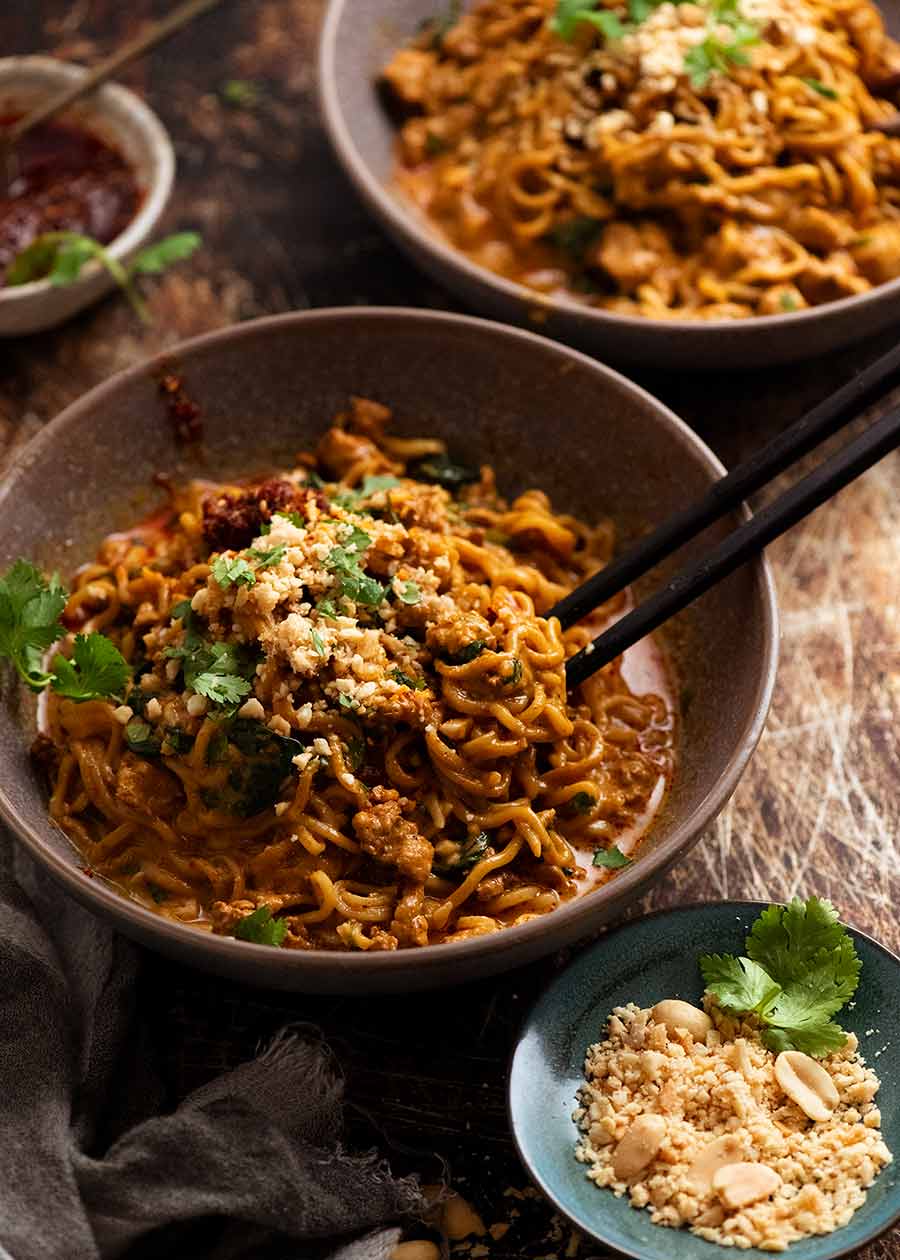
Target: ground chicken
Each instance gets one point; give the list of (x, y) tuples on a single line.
[(390, 838), (142, 786)]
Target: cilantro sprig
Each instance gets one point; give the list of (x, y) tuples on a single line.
[(218, 671), (97, 669), (261, 928), (715, 54), (799, 970), (60, 257), (344, 563), (30, 608), (570, 14)]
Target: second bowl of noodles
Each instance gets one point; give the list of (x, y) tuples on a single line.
[(685, 184)]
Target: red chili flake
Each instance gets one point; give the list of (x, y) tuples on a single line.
[(184, 413), (232, 521), (86, 870)]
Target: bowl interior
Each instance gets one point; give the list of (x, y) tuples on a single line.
[(539, 414), (645, 962)]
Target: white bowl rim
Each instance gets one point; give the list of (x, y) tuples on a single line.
[(152, 132), (109, 901), (405, 221)]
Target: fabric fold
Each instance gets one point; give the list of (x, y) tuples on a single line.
[(90, 1171)]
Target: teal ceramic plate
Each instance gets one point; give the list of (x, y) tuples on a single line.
[(643, 962)]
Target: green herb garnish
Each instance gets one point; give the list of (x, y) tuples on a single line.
[(317, 642), (570, 14), (97, 669), (30, 608), (715, 54), (444, 472), (515, 675), (469, 854), (141, 738), (261, 928), (612, 858), (60, 256), (353, 582), (409, 593), (787, 302), (469, 652), (407, 680), (266, 559), (218, 671), (575, 236), (799, 970), (583, 802), (822, 88), (240, 93), (232, 571)]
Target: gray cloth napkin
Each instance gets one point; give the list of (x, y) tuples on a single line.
[(248, 1165)]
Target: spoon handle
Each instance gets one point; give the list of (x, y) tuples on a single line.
[(153, 35)]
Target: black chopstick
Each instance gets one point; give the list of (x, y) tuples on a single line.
[(730, 491), (746, 541)]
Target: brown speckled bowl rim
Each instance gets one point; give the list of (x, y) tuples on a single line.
[(407, 222), (114, 905)]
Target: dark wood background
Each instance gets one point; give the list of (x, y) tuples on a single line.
[(817, 811)]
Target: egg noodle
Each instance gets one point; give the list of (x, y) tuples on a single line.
[(705, 160), (348, 724)]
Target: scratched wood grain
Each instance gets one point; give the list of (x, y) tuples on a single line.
[(817, 811)]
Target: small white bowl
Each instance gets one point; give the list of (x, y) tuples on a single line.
[(120, 118)]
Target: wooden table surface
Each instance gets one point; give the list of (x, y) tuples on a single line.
[(817, 811)]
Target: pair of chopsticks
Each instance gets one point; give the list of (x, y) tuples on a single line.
[(724, 496)]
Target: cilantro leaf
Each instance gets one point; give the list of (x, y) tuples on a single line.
[(570, 14), (69, 259), (802, 968), (317, 642), (220, 679), (30, 608), (739, 983), (97, 669), (583, 802), (442, 470), (265, 559), (293, 517), (575, 236), (612, 858), (343, 561), (469, 853), (408, 592), (261, 928), (469, 652), (785, 940), (142, 739), (224, 689), (162, 254), (232, 571), (60, 258), (715, 55), (407, 680), (822, 88)]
